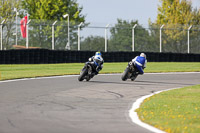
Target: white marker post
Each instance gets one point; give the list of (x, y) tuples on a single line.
[(2, 34), (53, 45), (27, 45), (133, 37), (68, 43), (189, 39), (161, 38), (79, 26), (17, 13), (106, 45)]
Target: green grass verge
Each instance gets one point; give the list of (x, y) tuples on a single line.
[(38, 70), (173, 67), (176, 111)]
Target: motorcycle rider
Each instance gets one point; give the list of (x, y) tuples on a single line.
[(97, 61), (140, 62)]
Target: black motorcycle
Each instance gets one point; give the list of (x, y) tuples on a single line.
[(130, 72), (87, 72)]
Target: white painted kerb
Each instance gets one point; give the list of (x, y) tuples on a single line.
[(134, 117)]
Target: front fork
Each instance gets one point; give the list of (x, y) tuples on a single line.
[(89, 69)]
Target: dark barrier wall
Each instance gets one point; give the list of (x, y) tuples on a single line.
[(44, 56)]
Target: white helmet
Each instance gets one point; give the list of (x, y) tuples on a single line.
[(98, 53), (98, 59), (143, 55)]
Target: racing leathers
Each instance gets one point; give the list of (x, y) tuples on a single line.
[(140, 63), (97, 62)]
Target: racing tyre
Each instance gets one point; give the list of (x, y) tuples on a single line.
[(125, 74), (88, 78), (82, 75), (133, 78)]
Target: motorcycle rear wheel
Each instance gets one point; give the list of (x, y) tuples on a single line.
[(133, 78)]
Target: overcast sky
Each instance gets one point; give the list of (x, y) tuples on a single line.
[(107, 11)]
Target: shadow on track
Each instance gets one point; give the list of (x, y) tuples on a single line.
[(120, 83), (139, 83), (157, 82)]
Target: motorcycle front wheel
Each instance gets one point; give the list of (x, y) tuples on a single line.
[(82, 74), (125, 74)]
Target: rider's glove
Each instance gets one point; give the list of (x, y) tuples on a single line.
[(90, 59), (130, 63)]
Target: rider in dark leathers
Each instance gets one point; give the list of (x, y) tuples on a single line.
[(97, 62)]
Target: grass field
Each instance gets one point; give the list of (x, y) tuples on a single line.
[(38, 70), (176, 111)]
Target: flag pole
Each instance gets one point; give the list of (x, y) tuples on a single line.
[(27, 31)]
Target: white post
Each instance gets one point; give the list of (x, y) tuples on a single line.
[(2, 34), (68, 34), (15, 9), (27, 33), (189, 39), (161, 38), (106, 45), (68, 43), (133, 37), (53, 45), (79, 47)]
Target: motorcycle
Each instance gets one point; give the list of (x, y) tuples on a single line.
[(87, 72), (130, 72)]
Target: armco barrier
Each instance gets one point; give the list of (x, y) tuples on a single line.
[(44, 56)]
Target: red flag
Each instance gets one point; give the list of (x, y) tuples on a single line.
[(23, 26)]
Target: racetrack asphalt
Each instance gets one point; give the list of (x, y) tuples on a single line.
[(65, 105)]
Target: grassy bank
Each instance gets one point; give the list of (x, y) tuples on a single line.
[(38, 70), (173, 111)]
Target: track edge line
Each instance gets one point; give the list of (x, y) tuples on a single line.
[(134, 117)]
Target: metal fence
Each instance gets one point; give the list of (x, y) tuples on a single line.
[(71, 36)]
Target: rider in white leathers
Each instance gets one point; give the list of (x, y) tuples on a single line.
[(98, 62)]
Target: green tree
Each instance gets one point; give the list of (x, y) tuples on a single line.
[(8, 14), (54, 10), (175, 12), (121, 37), (93, 43), (177, 16)]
